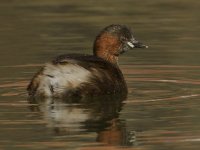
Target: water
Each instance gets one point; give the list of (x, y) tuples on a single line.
[(161, 110)]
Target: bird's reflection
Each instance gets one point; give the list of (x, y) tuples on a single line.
[(96, 114)]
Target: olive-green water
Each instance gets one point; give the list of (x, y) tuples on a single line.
[(162, 109)]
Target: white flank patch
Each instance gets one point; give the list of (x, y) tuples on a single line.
[(62, 78)]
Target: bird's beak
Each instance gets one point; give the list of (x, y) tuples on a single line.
[(136, 44)]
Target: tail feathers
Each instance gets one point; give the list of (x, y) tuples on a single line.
[(34, 84), (32, 87)]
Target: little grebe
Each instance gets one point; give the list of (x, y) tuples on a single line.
[(82, 75)]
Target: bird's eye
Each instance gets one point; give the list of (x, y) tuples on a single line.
[(123, 39)]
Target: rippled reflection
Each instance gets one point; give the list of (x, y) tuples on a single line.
[(97, 114)]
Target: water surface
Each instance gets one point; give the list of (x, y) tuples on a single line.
[(161, 110)]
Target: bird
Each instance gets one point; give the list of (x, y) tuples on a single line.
[(84, 75)]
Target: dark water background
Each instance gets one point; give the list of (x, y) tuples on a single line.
[(162, 109)]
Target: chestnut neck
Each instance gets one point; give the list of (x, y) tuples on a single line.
[(106, 46)]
